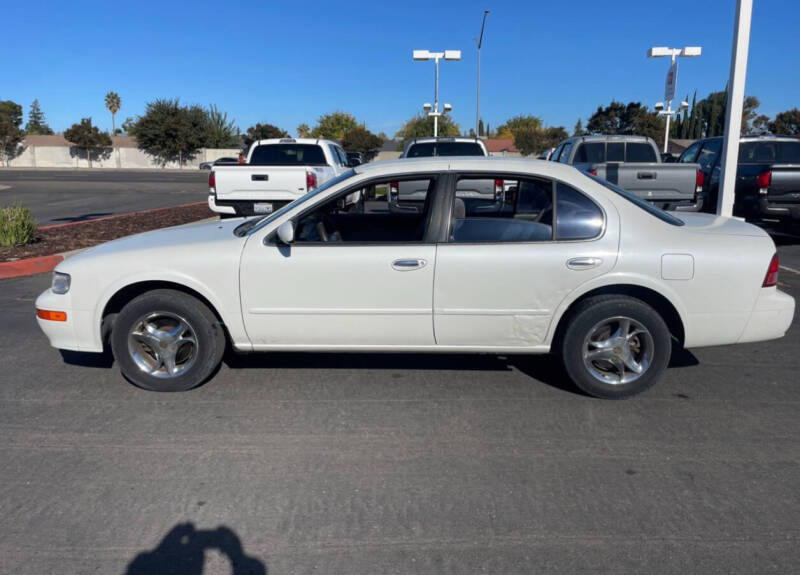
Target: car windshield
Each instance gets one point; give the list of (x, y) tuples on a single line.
[(257, 222), (429, 149), (646, 206)]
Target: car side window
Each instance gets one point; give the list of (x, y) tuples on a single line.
[(689, 155), (709, 154), (577, 217), (564, 157), (380, 212), (641, 153), (502, 210), (556, 152)]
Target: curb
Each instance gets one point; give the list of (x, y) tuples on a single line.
[(29, 266)]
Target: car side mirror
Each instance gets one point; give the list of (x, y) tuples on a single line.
[(286, 232)]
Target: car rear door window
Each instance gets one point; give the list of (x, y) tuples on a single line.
[(577, 217), (709, 154), (639, 152)]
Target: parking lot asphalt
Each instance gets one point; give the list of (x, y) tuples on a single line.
[(58, 196), (351, 463)]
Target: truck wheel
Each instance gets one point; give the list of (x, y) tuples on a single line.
[(615, 346), (166, 340)]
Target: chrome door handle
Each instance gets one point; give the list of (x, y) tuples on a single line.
[(583, 263), (405, 265)]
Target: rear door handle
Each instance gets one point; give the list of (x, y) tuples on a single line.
[(583, 263), (405, 265)]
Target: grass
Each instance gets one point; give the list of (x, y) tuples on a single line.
[(17, 228)]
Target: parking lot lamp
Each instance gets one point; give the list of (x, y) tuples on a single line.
[(425, 55), (672, 79)]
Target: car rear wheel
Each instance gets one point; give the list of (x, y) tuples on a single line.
[(615, 346), (166, 340)]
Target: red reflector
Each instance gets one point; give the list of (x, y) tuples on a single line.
[(311, 181), (212, 182), (51, 315), (699, 179), (771, 278), (763, 180), (593, 172)]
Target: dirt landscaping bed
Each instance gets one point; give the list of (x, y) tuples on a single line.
[(63, 238)]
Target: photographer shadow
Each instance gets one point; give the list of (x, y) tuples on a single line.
[(182, 552)]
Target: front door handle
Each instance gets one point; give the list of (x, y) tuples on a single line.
[(583, 263), (409, 264)]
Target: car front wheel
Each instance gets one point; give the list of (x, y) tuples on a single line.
[(615, 346), (166, 340)]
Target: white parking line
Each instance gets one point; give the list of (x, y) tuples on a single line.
[(788, 269), (2, 187)]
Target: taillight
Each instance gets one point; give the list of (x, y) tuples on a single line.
[(593, 172), (698, 182), (498, 189), (763, 180), (311, 181), (771, 278), (393, 186), (212, 182)]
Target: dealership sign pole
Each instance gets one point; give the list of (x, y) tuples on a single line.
[(671, 80), (733, 115)]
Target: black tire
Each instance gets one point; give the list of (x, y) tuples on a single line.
[(205, 348), (582, 323)]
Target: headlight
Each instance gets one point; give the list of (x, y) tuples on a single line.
[(60, 283)]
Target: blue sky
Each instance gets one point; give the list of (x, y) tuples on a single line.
[(289, 62)]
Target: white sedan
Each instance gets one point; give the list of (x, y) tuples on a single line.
[(560, 262)]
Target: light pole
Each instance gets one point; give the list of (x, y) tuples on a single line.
[(479, 41), (425, 55), (672, 79)]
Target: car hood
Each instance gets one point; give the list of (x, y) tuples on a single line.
[(193, 236), (714, 224)]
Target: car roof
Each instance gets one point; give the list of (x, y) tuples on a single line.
[(464, 163), (271, 141)]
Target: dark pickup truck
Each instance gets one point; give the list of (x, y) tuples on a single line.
[(767, 176)]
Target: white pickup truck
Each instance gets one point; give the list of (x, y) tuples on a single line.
[(276, 172)]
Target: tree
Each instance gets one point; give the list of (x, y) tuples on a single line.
[(262, 132), (87, 136), (333, 126), (36, 123), (220, 133), (578, 129), (10, 133), (170, 131), (421, 126), (535, 140), (522, 122), (480, 128), (761, 123), (787, 122), (361, 140), (113, 104), (711, 111), (128, 125), (303, 131), (625, 119)]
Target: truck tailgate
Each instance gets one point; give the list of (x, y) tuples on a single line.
[(785, 183), (652, 181), (259, 182)]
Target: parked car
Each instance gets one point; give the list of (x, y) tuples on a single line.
[(218, 162), (634, 163), (276, 172), (570, 264), (410, 195), (767, 176)]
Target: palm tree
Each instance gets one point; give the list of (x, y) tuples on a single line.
[(113, 104)]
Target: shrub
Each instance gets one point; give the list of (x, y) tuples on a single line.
[(16, 226)]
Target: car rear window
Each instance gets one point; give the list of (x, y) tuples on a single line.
[(640, 153), (591, 153), (429, 149), (288, 155), (769, 152)]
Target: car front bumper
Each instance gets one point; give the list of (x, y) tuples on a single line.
[(771, 316), (77, 333)]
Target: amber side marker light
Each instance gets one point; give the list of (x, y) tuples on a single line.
[(51, 315)]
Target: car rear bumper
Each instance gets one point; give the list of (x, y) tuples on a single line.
[(244, 207), (767, 208), (771, 316), (215, 207)]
